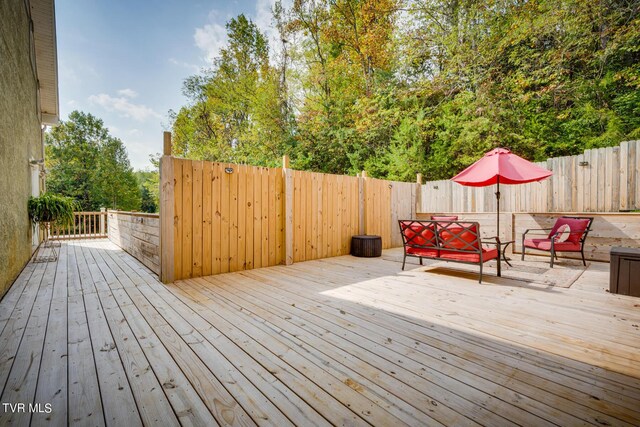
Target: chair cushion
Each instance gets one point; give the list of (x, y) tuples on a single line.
[(487, 255), (444, 218), (418, 235), (545, 245), (577, 227), (423, 252), (459, 235)]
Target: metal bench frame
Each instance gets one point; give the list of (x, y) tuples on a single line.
[(456, 228)]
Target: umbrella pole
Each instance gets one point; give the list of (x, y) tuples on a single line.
[(498, 208), (498, 224)]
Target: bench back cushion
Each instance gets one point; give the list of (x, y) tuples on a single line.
[(462, 236), (418, 234)]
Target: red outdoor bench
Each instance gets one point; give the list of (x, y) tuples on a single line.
[(456, 241)]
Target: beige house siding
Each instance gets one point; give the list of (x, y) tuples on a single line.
[(20, 137)]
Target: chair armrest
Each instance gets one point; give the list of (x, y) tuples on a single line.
[(536, 229), (496, 238)]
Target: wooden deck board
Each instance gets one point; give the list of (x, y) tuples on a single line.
[(23, 377), (332, 341), (85, 401), (52, 379)]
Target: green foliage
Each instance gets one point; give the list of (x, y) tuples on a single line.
[(404, 86), (49, 207), (89, 165), (405, 156), (236, 112), (149, 185)]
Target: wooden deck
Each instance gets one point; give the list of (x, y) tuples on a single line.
[(340, 341)]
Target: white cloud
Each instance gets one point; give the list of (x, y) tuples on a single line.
[(183, 64), (129, 93), (125, 107), (264, 21), (264, 17), (113, 129), (211, 38)]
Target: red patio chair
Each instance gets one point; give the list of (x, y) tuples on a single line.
[(576, 228)]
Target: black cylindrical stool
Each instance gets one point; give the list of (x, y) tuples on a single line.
[(366, 246)]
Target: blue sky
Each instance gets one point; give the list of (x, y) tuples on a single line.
[(124, 61)]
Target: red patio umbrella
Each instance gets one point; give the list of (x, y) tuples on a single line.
[(500, 166)]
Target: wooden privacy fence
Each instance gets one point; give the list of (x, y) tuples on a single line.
[(86, 225), (138, 234), (325, 214), (599, 180), (220, 217)]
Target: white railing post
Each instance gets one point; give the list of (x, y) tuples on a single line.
[(103, 221)]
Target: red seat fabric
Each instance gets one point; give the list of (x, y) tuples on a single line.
[(456, 236), (423, 252), (545, 245), (577, 228), (418, 235), (487, 255)]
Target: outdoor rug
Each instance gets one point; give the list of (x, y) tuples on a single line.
[(534, 270)]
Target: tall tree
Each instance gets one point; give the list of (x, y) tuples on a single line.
[(235, 113), (85, 162), (368, 83)]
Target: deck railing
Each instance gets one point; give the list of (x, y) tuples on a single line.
[(86, 225)]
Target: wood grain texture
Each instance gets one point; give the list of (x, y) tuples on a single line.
[(336, 341), (139, 235), (226, 218)]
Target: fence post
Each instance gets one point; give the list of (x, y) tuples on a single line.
[(418, 205), (103, 221), (166, 213), (166, 144), (361, 203), (288, 210)]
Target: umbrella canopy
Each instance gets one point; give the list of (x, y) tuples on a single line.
[(501, 166)]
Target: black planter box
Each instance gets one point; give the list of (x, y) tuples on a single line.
[(625, 271)]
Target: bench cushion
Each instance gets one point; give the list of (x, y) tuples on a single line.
[(545, 245), (418, 235), (423, 252), (458, 235), (487, 255)]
